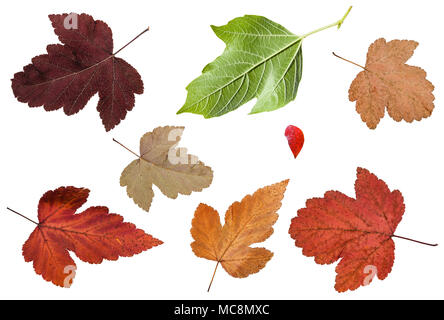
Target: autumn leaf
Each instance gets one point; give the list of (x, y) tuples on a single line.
[(261, 60), (387, 81), (247, 222), (93, 235), (160, 163), (295, 138), (358, 232), (74, 71)]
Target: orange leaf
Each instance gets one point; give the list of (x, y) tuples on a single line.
[(358, 232), (246, 222), (387, 81), (93, 235)]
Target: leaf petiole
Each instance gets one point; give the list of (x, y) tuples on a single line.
[(134, 39), (123, 146), (349, 61), (334, 24), (212, 278), (19, 214), (420, 242)]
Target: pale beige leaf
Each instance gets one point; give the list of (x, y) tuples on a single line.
[(137, 177), (172, 170), (155, 145)]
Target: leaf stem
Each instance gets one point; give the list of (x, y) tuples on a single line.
[(358, 65), (122, 145), (420, 242), (19, 214), (134, 39), (212, 278), (334, 24)]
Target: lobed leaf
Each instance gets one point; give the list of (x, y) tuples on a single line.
[(262, 60)]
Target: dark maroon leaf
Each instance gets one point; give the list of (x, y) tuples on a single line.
[(74, 71)]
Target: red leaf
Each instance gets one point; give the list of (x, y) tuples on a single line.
[(93, 235), (72, 72), (295, 138), (358, 232)]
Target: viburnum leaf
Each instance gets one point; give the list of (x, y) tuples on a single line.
[(359, 232), (74, 71), (387, 81), (261, 60), (93, 235), (160, 163), (247, 222)]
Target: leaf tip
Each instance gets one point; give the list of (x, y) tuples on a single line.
[(285, 182)]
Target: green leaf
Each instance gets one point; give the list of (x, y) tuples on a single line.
[(261, 60)]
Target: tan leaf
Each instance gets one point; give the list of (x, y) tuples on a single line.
[(387, 81), (171, 169), (247, 222)]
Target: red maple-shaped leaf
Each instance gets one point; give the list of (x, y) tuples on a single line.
[(358, 232), (93, 235), (74, 71)]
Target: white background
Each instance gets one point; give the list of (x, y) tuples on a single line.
[(41, 150)]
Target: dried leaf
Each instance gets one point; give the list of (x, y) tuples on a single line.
[(171, 169), (93, 235), (358, 232), (387, 81), (247, 222), (73, 72)]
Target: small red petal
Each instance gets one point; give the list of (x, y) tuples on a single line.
[(295, 138)]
